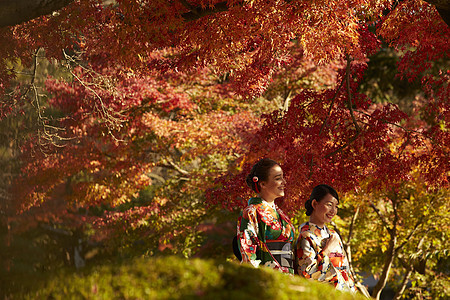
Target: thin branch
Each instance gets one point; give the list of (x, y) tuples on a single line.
[(381, 218), (287, 99), (418, 223), (390, 123), (47, 134), (350, 105), (112, 119), (352, 223), (157, 177), (174, 166), (351, 140)]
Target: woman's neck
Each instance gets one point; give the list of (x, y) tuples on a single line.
[(267, 198), (314, 220)]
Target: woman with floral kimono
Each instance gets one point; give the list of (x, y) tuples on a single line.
[(319, 253), (264, 233)]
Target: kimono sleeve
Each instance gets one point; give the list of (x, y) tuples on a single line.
[(311, 262), (248, 241)]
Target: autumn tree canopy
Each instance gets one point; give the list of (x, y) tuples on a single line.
[(14, 12)]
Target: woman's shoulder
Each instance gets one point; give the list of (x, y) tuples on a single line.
[(253, 205), (255, 201), (304, 229), (310, 230), (304, 226)]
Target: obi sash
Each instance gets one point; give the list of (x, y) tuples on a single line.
[(282, 252)]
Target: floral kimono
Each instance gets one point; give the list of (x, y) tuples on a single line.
[(262, 227), (312, 263)]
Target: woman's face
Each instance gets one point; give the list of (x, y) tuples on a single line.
[(324, 210), (273, 187)]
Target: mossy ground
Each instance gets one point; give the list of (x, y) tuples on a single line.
[(178, 278)]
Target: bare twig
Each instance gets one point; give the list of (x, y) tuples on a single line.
[(47, 134), (112, 118)]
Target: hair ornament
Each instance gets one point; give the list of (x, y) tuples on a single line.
[(255, 179)]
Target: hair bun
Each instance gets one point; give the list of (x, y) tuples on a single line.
[(308, 207)]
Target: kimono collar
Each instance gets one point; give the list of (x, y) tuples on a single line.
[(321, 228), (259, 200), (255, 200), (270, 204)]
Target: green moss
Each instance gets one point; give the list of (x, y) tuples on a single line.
[(178, 278)]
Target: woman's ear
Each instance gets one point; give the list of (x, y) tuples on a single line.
[(314, 203), (262, 184)]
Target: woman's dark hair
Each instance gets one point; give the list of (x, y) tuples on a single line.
[(260, 170), (319, 192)]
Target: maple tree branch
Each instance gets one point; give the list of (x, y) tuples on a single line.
[(287, 99), (178, 168), (398, 126), (409, 270), (395, 205), (390, 123), (351, 140), (350, 105), (348, 250), (442, 7), (346, 243), (408, 131), (385, 223)]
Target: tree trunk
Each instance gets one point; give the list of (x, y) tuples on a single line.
[(400, 292), (409, 270), (391, 251), (390, 255)]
